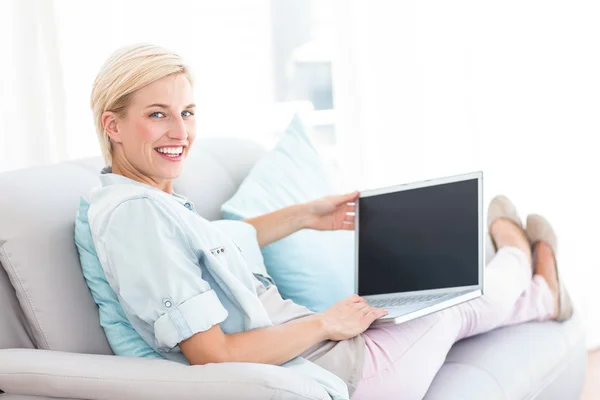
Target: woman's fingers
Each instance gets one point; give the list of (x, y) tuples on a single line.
[(348, 222), (375, 313), (370, 310), (364, 307), (345, 198), (348, 226), (356, 299), (361, 306)]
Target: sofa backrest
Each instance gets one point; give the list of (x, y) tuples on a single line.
[(45, 301)]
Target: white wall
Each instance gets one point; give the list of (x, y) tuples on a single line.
[(427, 89), (53, 50), (227, 43)]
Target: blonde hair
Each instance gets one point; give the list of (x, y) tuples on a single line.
[(127, 70)]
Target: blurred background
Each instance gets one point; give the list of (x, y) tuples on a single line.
[(395, 91)]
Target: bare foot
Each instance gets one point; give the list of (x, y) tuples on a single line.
[(545, 266), (507, 233)]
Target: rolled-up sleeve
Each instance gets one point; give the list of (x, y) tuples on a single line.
[(150, 264)]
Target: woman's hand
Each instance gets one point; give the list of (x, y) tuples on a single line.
[(331, 212), (328, 213), (349, 317)]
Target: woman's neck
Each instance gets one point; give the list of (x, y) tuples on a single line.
[(129, 171)]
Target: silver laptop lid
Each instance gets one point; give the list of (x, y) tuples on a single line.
[(422, 237)]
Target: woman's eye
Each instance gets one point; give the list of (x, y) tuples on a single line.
[(157, 114), (187, 114)]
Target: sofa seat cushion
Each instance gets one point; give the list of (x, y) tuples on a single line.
[(101, 377), (518, 362)]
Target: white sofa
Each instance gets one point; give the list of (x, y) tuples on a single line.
[(52, 345)]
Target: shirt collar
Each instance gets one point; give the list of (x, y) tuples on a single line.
[(107, 178)]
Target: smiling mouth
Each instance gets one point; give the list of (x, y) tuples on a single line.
[(170, 152)]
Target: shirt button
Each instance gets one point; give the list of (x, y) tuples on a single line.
[(188, 206), (167, 303)]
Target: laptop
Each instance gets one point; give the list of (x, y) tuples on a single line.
[(419, 246)]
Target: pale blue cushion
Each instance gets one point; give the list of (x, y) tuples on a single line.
[(123, 339), (313, 268)]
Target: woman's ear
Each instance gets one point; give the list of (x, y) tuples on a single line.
[(110, 124)]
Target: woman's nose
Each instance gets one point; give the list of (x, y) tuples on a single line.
[(178, 129)]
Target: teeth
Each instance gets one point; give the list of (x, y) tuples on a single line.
[(171, 150)]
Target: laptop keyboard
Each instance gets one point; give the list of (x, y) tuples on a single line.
[(402, 301)]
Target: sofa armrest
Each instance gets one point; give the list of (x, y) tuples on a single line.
[(86, 376)]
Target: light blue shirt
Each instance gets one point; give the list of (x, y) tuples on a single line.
[(174, 273)]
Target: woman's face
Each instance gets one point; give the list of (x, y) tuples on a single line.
[(158, 130)]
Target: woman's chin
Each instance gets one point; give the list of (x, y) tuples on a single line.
[(172, 172), (168, 169)]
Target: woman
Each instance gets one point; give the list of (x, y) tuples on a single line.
[(193, 299)]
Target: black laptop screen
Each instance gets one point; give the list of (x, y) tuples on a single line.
[(419, 239)]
